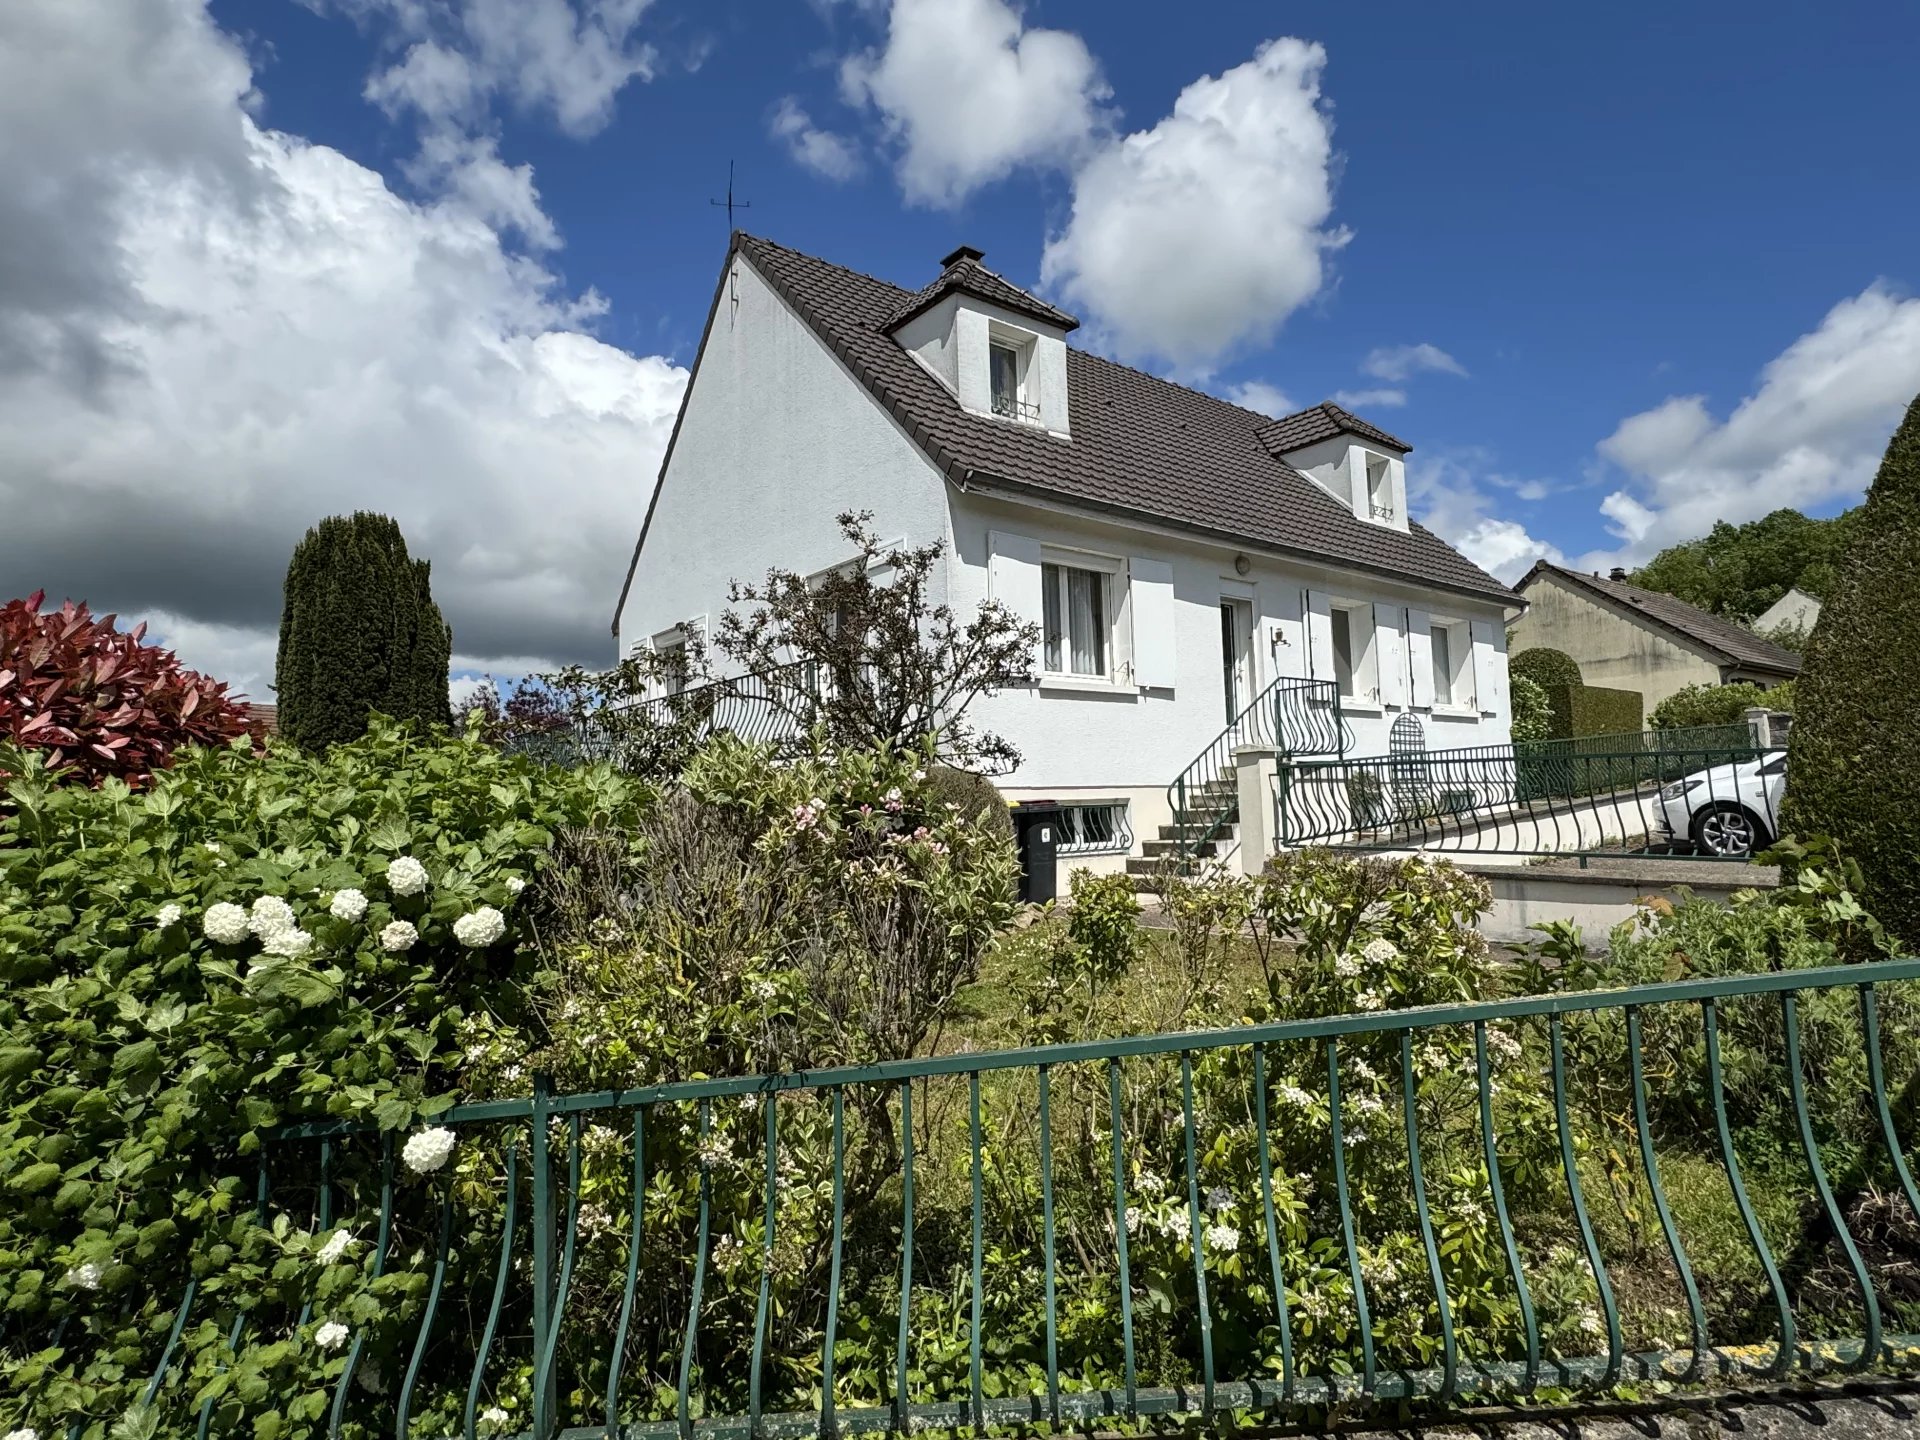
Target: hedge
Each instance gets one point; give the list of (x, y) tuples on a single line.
[(1580, 710), (1546, 667)]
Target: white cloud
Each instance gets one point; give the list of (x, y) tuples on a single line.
[(1202, 234), (831, 156), (1260, 396), (1812, 431), (970, 94), (1376, 399), (567, 58), (220, 333), (1449, 494), (1396, 363)]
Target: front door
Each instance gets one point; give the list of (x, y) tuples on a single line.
[(1236, 654)]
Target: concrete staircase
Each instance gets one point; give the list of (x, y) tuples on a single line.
[(1219, 797)]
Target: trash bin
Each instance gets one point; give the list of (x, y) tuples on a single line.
[(1036, 837)]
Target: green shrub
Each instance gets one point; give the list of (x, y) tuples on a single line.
[(1580, 710), (1105, 922), (359, 634), (1717, 704), (1545, 667), (1856, 767), (1532, 716), (978, 798)]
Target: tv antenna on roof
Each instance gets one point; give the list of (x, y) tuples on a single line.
[(730, 203)]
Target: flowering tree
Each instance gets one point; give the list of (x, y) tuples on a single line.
[(99, 702)]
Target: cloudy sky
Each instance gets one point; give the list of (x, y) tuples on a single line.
[(1615, 276)]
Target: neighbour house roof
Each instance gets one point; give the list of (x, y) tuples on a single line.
[(1322, 422), (1142, 448), (1733, 644)]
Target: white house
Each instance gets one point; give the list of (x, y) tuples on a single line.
[(1795, 608), (1181, 553)]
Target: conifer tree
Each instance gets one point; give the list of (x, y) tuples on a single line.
[(1855, 767), (359, 633)]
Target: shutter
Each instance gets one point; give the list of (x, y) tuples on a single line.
[(1420, 657), (1390, 653), (1489, 667), (1150, 593), (1319, 635), (1013, 578)]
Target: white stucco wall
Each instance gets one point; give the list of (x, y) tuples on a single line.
[(1126, 740), (777, 439), (1610, 648), (1339, 465)]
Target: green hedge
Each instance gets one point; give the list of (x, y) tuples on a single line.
[(1718, 704), (1579, 710), (1546, 667)]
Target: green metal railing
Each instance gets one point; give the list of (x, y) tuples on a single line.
[(1293, 716), (533, 1273), (1708, 793)]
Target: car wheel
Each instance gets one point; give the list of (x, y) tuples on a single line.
[(1726, 829)]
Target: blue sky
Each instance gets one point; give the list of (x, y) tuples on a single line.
[(1614, 274)]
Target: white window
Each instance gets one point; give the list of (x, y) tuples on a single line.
[(1077, 603), (1354, 660), (1093, 828), (1008, 361), (1379, 487), (1452, 649)]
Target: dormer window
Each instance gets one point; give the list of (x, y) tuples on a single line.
[(1380, 488), (1004, 361)]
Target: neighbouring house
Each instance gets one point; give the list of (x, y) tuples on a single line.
[(1796, 609), (1183, 556), (1634, 639)]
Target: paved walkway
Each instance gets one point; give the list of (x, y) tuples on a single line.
[(1867, 1412)]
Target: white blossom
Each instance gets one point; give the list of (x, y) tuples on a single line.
[(1148, 1183), (398, 935), (483, 927), (515, 885), (406, 875), (1218, 1198), (25, 1432), (1133, 1219), (212, 847), (1346, 967), (289, 944), (494, 1416), (335, 1249), (348, 904), (330, 1336), (807, 815), (1223, 1238), (427, 1150), (1503, 1046), (1177, 1223), (225, 923), (167, 915), (1380, 951), (85, 1277), (1292, 1094), (1591, 1323), (1368, 1105), (270, 916)]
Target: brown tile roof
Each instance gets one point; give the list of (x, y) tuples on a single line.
[(1734, 644), (1322, 422), (1142, 447), (963, 273)]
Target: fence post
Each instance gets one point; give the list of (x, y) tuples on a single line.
[(542, 1249), (1759, 726), (1254, 769)]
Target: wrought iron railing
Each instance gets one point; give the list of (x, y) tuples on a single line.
[(1707, 793), (518, 1311), (1293, 716)]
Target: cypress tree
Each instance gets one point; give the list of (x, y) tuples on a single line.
[(359, 633), (1855, 768)]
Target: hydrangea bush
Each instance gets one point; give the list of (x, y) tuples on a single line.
[(247, 942)]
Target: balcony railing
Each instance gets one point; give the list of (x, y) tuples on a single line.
[(503, 1317), (1015, 407)]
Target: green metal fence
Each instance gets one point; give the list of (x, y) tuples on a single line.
[(519, 1301), (1708, 792)]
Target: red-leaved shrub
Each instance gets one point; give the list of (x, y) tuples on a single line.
[(100, 702)]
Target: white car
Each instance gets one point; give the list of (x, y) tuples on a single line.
[(1729, 810)]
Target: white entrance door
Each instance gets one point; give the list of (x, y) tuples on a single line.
[(1236, 654)]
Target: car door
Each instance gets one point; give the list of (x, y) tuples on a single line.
[(1770, 784)]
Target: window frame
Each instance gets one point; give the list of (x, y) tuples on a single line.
[(1461, 699), (1380, 506), (1020, 345), (1119, 840), (1363, 659), (1112, 573)]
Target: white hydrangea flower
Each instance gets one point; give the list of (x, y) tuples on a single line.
[(1223, 1238), (25, 1432), (427, 1150), (348, 904), (85, 1277), (330, 1336), (225, 923), (269, 916), (167, 915), (483, 927), (406, 876), (288, 944), (494, 1416), (514, 886), (336, 1248), (1380, 951), (398, 935)]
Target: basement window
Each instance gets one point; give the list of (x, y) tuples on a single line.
[(1093, 829)]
